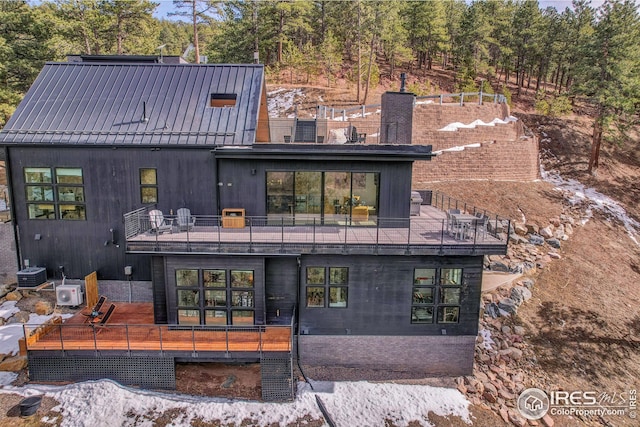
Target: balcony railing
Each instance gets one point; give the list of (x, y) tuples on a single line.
[(161, 339), (285, 234)]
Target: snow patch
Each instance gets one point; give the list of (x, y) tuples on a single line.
[(452, 127)]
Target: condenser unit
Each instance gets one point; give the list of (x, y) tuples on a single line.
[(69, 295)]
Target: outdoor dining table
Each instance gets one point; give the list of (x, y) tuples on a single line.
[(461, 224)]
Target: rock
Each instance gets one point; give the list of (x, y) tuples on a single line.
[(506, 330), (489, 397), (508, 305), (558, 233), (516, 296), (518, 330), (492, 310), (547, 421), (518, 240), (520, 229), (547, 232), (517, 420), (504, 413), (535, 239), (14, 364), (499, 266), (2, 321), (568, 229), (554, 243), (43, 308), (554, 255), (524, 292), (515, 353), (19, 317), (532, 228), (13, 296), (555, 221), (481, 376), (4, 290)]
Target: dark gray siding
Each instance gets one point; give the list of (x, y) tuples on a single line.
[(281, 284), (215, 262), (159, 290), (248, 190), (186, 178), (380, 296)]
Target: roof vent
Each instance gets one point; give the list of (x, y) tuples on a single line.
[(144, 112), (403, 79)]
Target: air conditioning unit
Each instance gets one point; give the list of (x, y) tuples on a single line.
[(69, 295)]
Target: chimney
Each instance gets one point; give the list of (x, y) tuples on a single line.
[(396, 121)]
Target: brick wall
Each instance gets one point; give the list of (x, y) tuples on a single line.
[(8, 254), (367, 355)]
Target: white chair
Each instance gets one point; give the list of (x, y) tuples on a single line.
[(159, 224), (186, 222)]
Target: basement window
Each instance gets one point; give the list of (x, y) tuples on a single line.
[(223, 100)]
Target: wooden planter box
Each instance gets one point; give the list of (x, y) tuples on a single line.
[(233, 218)]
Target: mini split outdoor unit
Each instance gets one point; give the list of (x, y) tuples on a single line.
[(69, 295)]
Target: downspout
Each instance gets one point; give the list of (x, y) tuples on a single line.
[(298, 325), (16, 234)]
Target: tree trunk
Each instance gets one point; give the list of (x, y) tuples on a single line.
[(280, 31), (359, 59), (196, 45), (371, 58), (596, 140)]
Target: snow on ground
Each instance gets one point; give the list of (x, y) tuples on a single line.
[(578, 193), (281, 100), (452, 127), (458, 148), (107, 403)]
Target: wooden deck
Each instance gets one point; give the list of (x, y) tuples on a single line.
[(130, 329)]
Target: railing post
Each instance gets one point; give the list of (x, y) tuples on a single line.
[(442, 227), (441, 99), (363, 111), (408, 251), (346, 231), (160, 335), (260, 340), (226, 334), (344, 116), (188, 242), (461, 99), (219, 238), (333, 113), (313, 245), (193, 341), (126, 332), (377, 234), (250, 235), (281, 234)]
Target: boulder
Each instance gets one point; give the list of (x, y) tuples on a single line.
[(547, 232), (554, 243), (506, 330), (520, 229), (515, 353), (528, 283), (14, 364), (532, 228), (499, 266), (525, 293), (536, 239), (43, 308), (13, 296), (19, 317), (518, 330), (4, 290), (508, 305), (547, 421), (518, 240), (554, 255), (516, 296), (568, 229), (517, 420), (492, 310)]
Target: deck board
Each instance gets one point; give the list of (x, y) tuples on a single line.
[(131, 328)]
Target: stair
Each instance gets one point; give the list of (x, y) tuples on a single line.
[(277, 378)]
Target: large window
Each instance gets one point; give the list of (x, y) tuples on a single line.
[(215, 297), (148, 186), (329, 196), (436, 295), (55, 193), (327, 281)]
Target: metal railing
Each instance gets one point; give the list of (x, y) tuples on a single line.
[(495, 224), (339, 234), (361, 111), (130, 338)]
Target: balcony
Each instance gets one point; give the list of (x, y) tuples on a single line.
[(132, 332), (431, 233)]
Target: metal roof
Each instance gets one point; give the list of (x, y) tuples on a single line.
[(137, 104)]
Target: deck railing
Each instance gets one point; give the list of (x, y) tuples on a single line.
[(130, 338), (496, 223)]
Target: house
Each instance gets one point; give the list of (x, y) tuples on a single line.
[(289, 251)]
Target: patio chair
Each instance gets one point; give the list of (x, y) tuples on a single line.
[(159, 224), (95, 311), (185, 221), (104, 319)]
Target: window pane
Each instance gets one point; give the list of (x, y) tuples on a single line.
[(337, 193), (421, 314), (214, 278), (186, 277), (280, 193), (424, 276), (423, 295), (41, 211), (188, 298), (73, 212), (450, 296), (69, 175), (365, 194), (37, 175), (308, 190), (188, 317), (315, 275), (337, 297), (242, 278), (338, 275), (315, 296), (149, 195), (39, 193), (71, 194), (148, 177), (448, 314), (451, 276), (215, 317), (242, 298), (215, 298), (242, 317)]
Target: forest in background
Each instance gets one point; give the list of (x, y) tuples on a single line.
[(582, 53)]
